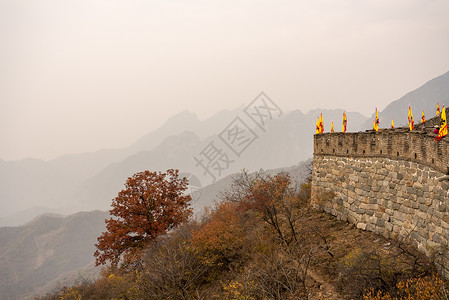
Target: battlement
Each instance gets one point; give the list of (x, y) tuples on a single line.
[(396, 144)]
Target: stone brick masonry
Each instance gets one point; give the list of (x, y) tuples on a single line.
[(387, 182)]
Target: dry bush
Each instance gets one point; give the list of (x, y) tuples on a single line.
[(427, 288), (320, 199), (282, 250), (381, 268), (305, 192), (282, 275), (219, 242), (276, 273), (171, 268), (117, 285), (275, 199)]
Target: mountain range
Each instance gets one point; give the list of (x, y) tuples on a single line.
[(88, 181)]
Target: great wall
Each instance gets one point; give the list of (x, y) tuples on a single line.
[(393, 182)]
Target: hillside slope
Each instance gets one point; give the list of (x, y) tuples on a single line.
[(238, 252), (39, 251), (51, 248)]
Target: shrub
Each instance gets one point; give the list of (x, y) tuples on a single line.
[(427, 288), (219, 241), (380, 268), (171, 268)]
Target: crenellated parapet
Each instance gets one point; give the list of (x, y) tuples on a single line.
[(396, 144)]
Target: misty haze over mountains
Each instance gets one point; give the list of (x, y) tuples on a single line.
[(89, 181)]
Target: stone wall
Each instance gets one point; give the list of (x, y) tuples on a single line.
[(396, 144), (387, 182)]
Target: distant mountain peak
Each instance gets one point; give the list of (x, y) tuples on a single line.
[(183, 116), (42, 218), (423, 98)]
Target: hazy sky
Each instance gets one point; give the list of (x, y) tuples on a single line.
[(78, 76)]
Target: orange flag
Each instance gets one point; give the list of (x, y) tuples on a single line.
[(392, 123), (423, 118), (438, 108), (318, 125), (332, 126)]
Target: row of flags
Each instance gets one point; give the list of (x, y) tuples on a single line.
[(320, 126), (411, 123)]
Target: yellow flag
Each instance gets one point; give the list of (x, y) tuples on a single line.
[(438, 108), (410, 119), (376, 122), (443, 125), (321, 124), (423, 118), (345, 122), (332, 126), (317, 125), (392, 123)]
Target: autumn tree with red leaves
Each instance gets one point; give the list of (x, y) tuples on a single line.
[(150, 205)]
